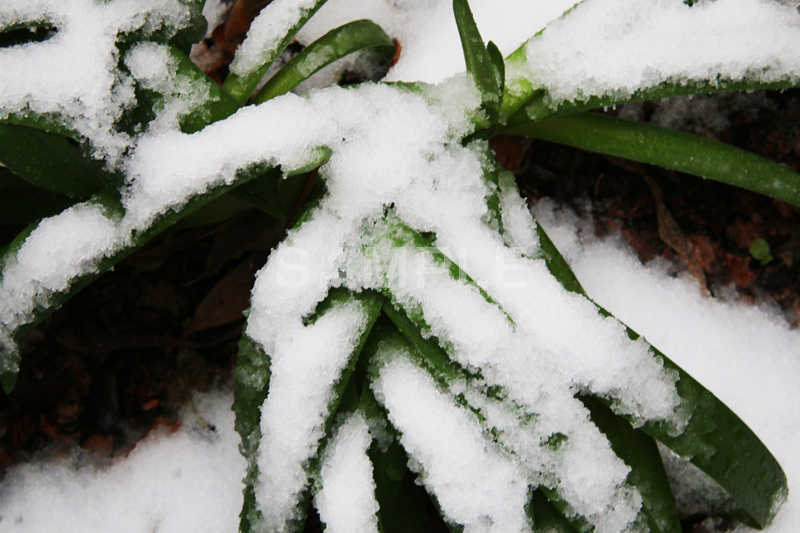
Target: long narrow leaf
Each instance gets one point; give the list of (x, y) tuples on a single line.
[(402, 507), (278, 194), (217, 105), (534, 104), (715, 439), (334, 45), (251, 388), (669, 149), (401, 502), (264, 43), (22, 203), (192, 31), (387, 344), (47, 161), (480, 62), (640, 452), (546, 517)]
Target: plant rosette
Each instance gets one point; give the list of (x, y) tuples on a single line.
[(416, 318)]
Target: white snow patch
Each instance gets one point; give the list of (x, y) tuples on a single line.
[(170, 483), (746, 355), (426, 29), (399, 150)]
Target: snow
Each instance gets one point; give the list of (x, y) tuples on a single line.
[(267, 31), (306, 363), (746, 355), (79, 236), (171, 483), (610, 48), (346, 497), (74, 74), (422, 26), (474, 482), (156, 69), (397, 170)]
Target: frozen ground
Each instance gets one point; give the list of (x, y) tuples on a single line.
[(189, 481)]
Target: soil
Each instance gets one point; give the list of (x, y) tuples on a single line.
[(123, 356)]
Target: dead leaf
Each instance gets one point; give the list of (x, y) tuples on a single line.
[(705, 252), (226, 302), (99, 444), (508, 151), (671, 234)]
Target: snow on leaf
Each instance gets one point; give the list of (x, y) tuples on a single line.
[(404, 200), (346, 499)]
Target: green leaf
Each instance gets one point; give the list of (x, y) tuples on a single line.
[(524, 100), (8, 380), (429, 355), (534, 104), (715, 439), (640, 452), (546, 517), (263, 192), (334, 45), (22, 203), (217, 104), (192, 31), (400, 500), (386, 333), (316, 158), (759, 249), (279, 194), (251, 387), (669, 149), (481, 63), (242, 86), (48, 161), (499, 66), (205, 101)]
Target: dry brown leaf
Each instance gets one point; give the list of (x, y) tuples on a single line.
[(226, 302), (671, 234)]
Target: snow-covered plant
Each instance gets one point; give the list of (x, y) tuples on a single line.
[(416, 324)]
